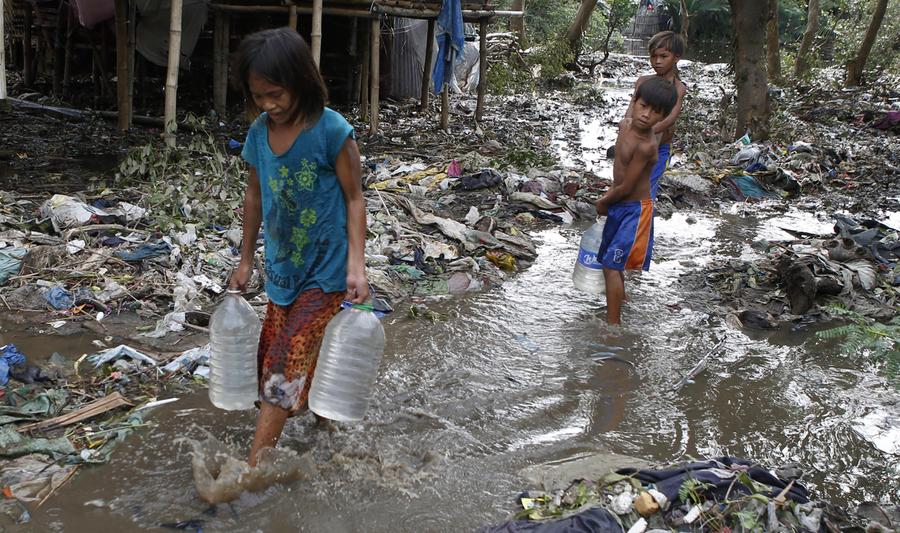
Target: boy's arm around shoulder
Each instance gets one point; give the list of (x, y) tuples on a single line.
[(635, 171), (670, 119)]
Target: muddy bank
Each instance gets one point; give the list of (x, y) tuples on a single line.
[(454, 421)]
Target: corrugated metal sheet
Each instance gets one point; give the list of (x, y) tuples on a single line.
[(407, 57)]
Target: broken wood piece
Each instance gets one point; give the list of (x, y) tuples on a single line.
[(90, 410), (699, 367)]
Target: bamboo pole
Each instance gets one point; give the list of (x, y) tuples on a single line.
[(445, 108), (292, 16), (59, 49), (374, 74), (219, 45), (335, 11), (364, 78), (316, 33), (3, 102), (426, 66), (482, 69), (172, 72), (123, 103), (28, 51)]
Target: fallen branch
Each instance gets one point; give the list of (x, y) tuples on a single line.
[(699, 367)]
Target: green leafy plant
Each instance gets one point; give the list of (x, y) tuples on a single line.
[(865, 336), (195, 182), (690, 491)]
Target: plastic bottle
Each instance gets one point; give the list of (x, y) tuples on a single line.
[(348, 363), (233, 337), (588, 274)]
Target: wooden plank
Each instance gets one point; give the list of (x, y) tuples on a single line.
[(90, 410), (364, 82), (445, 108)]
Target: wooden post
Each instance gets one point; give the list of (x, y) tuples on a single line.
[(374, 74), (172, 72), (59, 49), (71, 32), (364, 78), (220, 63), (426, 66), (482, 68), (316, 33), (131, 45), (2, 60), (292, 16), (353, 64), (445, 107), (28, 51), (123, 103)]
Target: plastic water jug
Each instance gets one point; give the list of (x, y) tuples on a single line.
[(588, 274), (348, 363), (234, 338)]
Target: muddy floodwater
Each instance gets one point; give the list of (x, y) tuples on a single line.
[(529, 373)]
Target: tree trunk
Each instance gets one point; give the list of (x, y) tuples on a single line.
[(812, 25), (172, 72), (685, 20), (517, 24), (580, 24), (773, 45), (2, 60), (748, 18), (856, 65)]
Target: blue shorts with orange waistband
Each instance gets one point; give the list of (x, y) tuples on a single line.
[(627, 236)]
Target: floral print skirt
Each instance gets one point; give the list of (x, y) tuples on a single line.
[(289, 347)]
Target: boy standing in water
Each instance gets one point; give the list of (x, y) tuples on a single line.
[(628, 233), (666, 48)]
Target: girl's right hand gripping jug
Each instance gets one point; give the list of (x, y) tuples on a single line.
[(588, 274), (348, 363), (233, 338)]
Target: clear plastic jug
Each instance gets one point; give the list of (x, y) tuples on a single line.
[(588, 274), (234, 337), (347, 365)]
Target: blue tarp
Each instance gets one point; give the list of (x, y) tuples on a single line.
[(451, 39), (9, 356)]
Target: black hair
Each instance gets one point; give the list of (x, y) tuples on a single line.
[(659, 93), (667, 40), (282, 57)]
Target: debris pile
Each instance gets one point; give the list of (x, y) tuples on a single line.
[(721, 494)]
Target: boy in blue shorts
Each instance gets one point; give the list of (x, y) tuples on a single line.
[(628, 234), (666, 48)]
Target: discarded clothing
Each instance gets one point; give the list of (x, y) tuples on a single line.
[(14, 444), (107, 356), (588, 521), (871, 235), (10, 262), (9, 356), (145, 251), (451, 39), (720, 473), (743, 187), (480, 180), (750, 156), (59, 298), (890, 121)]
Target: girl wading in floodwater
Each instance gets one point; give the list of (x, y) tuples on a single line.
[(305, 185)]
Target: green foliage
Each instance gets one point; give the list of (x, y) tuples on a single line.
[(846, 25), (195, 183), (709, 20), (690, 491), (506, 77), (865, 336)]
